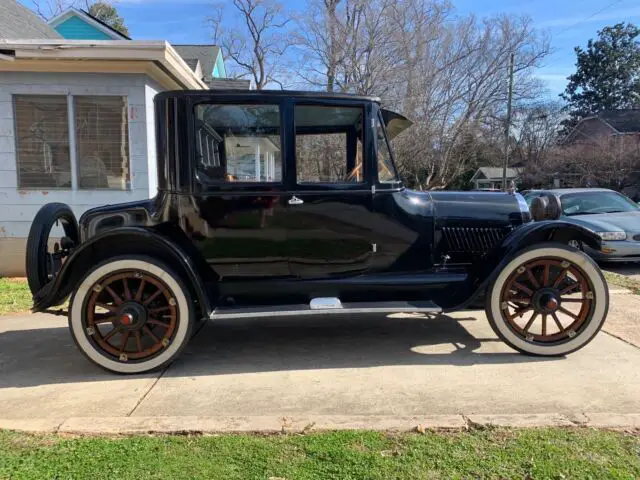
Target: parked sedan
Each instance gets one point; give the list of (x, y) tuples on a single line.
[(614, 217)]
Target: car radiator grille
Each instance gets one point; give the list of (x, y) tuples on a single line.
[(637, 237), (472, 240)]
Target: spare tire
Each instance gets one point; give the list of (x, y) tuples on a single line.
[(41, 265), (546, 207)]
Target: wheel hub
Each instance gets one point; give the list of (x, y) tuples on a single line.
[(132, 315), (546, 300)]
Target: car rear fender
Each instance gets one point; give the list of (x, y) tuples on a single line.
[(130, 241), (485, 271)]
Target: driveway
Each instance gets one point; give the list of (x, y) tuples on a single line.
[(363, 369)]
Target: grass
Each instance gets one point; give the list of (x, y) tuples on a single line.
[(487, 454), (15, 296), (622, 281)]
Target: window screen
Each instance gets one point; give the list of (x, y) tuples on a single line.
[(239, 143), (328, 144), (102, 142), (42, 141)]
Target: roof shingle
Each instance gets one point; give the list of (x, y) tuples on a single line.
[(207, 54), (624, 121), (19, 22)]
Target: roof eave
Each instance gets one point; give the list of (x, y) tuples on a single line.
[(159, 52)]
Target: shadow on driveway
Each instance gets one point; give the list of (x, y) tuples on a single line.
[(49, 356)]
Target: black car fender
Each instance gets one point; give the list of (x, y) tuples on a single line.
[(483, 273), (125, 241)]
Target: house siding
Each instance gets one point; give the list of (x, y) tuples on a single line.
[(18, 207), (75, 28)]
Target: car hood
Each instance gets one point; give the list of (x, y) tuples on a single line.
[(608, 222)]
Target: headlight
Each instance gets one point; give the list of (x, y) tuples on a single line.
[(612, 235)]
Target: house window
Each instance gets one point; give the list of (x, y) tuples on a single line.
[(42, 141), (238, 143), (328, 144), (100, 132), (102, 142)]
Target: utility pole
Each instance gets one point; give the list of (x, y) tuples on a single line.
[(507, 127)]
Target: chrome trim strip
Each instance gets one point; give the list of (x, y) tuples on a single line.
[(327, 311)]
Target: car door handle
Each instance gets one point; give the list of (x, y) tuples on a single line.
[(295, 201)]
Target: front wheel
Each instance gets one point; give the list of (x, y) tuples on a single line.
[(131, 315), (550, 300)]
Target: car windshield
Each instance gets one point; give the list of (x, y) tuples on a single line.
[(590, 203)]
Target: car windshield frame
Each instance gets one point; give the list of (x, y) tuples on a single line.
[(620, 203), (380, 131)]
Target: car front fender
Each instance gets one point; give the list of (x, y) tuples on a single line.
[(125, 241), (484, 271)]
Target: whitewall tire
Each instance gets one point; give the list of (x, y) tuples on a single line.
[(131, 315), (550, 300)]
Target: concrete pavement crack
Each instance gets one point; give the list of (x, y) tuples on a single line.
[(164, 370), (621, 339)]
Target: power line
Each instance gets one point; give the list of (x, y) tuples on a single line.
[(583, 20)]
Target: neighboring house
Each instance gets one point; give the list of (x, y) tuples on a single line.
[(74, 24), (76, 121), (605, 125), (491, 177)]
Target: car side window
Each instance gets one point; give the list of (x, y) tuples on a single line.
[(238, 143), (329, 144)]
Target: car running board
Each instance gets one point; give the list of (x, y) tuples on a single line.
[(326, 306)]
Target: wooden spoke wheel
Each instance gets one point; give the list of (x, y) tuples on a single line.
[(550, 299), (547, 299), (131, 315)]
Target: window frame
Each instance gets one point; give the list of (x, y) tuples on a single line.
[(365, 184), (393, 184), (200, 182), (72, 141), (14, 98)]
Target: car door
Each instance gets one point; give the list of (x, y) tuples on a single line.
[(235, 218), (329, 202), (405, 234)]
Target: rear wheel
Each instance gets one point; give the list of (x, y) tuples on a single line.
[(43, 259), (131, 315), (550, 300)]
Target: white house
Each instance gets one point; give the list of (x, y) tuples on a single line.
[(77, 115)]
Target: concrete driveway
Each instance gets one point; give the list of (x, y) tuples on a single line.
[(331, 372)]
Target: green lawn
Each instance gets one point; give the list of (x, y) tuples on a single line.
[(15, 296), (618, 280), (492, 453)]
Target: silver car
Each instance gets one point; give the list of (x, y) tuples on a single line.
[(610, 214)]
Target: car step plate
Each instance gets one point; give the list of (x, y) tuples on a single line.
[(325, 307)]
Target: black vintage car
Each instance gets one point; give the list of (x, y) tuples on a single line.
[(289, 203)]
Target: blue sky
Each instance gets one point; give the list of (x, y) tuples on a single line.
[(568, 22)]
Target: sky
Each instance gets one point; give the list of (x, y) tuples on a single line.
[(568, 23)]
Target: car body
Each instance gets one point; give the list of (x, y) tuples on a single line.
[(608, 213), (288, 203)]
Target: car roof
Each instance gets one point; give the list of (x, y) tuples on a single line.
[(268, 93)]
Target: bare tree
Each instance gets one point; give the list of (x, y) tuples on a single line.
[(447, 73), (257, 43), (50, 8), (536, 126)]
